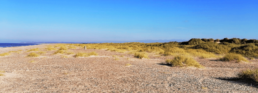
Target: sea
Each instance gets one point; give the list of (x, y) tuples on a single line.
[(16, 44)]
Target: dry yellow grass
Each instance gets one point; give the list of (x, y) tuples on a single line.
[(183, 61), (234, 57), (5, 54), (18, 51), (63, 48), (81, 55), (201, 53), (2, 73), (33, 55), (128, 65), (64, 56), (41, 52), (34, 49), (32, 61), (50, 48), (249, 74), (141, 55)]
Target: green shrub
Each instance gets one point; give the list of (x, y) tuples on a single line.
[(249, 50), (234, 57), (195, 41), (213, 47), (141, 55), (183, 61), (249, 74)]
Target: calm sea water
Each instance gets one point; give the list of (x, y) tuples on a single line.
[(16, 44)]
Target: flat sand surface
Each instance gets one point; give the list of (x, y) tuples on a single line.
[(52, 73)]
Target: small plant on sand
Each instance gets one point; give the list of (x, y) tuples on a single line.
[(34, 49), (33, 55), (32, 61), (234, 57), (64, 56), (4, 54), (249, 74), (183, 61), (116, 58), (141, 55), (128, 65), (2, 73)]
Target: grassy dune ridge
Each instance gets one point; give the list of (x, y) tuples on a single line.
[(228, 50)]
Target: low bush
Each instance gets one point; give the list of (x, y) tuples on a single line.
[(249, 50), (195, 41), (249, 74), (213, 47), (234, 57), (33, 55), (183, 61), (141, 55)]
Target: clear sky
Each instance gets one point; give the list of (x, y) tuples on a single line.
[(126, 20)]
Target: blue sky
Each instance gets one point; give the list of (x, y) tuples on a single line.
[(126, 20)]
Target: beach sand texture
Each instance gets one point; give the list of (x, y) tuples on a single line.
[(59, 73)]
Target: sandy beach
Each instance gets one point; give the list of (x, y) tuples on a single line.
[(113, 72)]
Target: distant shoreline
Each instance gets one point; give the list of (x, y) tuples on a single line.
[(4, 45)]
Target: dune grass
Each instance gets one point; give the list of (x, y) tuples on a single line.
[(183, 61), (50, 48), (33, 55), (85, 54), (5, 54), (249, 74), (34, 49), (141, 55), (201, 53), (234, 57), (2, 73)]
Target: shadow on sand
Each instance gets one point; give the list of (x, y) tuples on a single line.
[(245, 82), (164, 64)]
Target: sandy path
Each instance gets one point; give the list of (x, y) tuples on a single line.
[(102, 73)]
